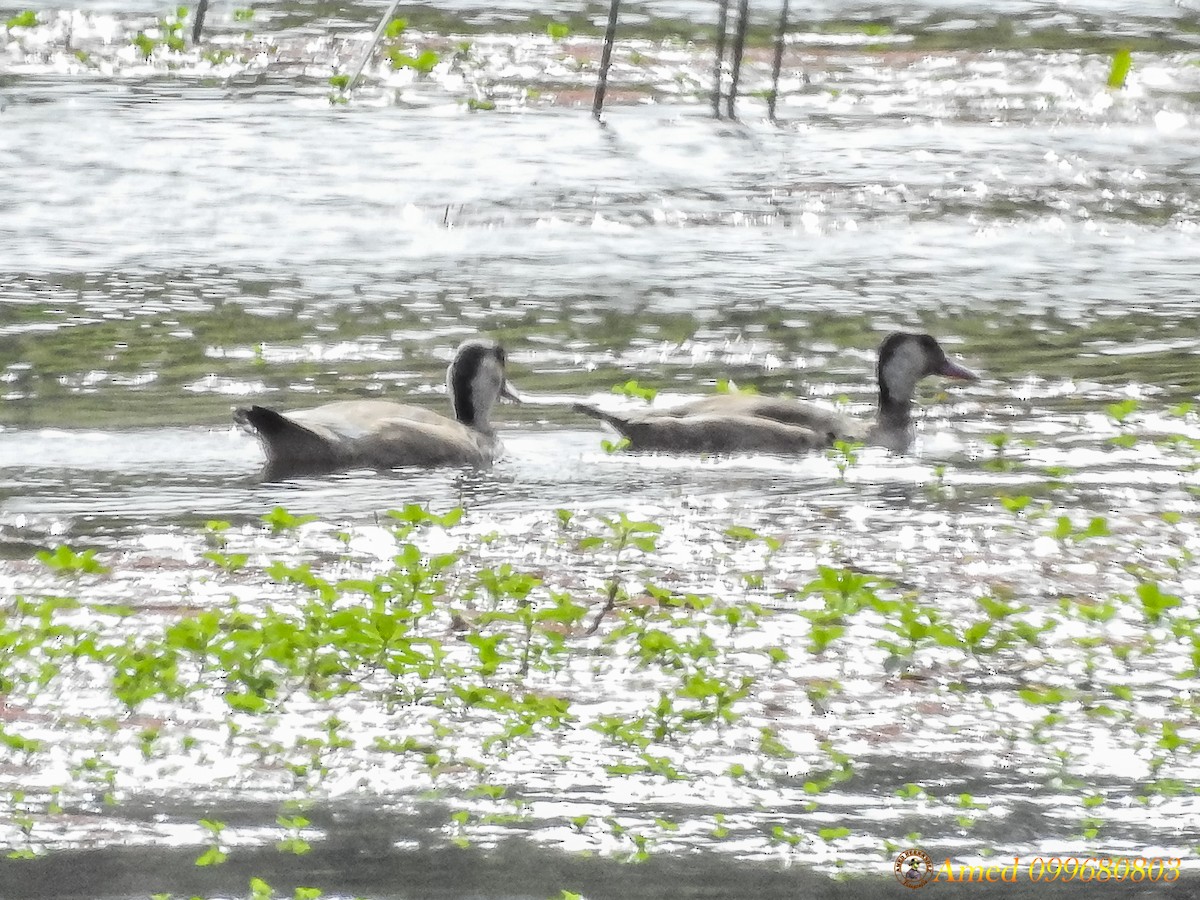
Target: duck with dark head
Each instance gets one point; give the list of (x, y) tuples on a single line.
[(750, 423), (382, 434)]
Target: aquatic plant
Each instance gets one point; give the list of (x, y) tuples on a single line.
[(169, 35), (423, 63), (1122, 62), (214, 854), (844, 455), (63, 559), (1001, 441), (635, 391), (477, 664), (1066, 530), (610, 447), (25, 19)]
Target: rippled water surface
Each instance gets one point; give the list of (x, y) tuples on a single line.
[(186, 230)]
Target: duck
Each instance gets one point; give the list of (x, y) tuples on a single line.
[(749, 423), (382, 434)]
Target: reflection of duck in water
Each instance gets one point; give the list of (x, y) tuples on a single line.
[(380, 434), (730, 423)]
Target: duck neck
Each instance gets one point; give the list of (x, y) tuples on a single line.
[(464, 411), (464, 400), (470, 412), (895, 412)]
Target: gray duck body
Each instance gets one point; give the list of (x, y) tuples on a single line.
[(382, 434)]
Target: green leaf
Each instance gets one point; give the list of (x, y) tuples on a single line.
[(144, 44), (1170, 740), (635, 391), (245, 702), (424, 62), (771, 745), (1154, 601), (1121, 411), (490, 656), (1122, 62), (611, 447), (64, 559), (26, 19), (212, 825), (977, 632), (1015, 504), (558, 30), (279, 518), (213, 856), (1045, 696)]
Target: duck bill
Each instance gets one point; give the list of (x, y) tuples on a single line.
[(509, 393), (954, 370)]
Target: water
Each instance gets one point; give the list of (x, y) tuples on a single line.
[(203, 229)]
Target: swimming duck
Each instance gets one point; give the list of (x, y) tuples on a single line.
[(381, 434), (730, 423)]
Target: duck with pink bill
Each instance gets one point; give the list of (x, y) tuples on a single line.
[(750, 423)]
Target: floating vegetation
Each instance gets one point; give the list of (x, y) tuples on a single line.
[(26, 19), (634, 390), (424, 652), (168, 33), (1121, 64)]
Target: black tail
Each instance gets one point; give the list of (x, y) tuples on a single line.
[(287, 443), (596, 413)]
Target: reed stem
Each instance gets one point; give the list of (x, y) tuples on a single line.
[(610, 35), (722, 27), (198, 24), (362, 64), (739, 45), (778, 63)]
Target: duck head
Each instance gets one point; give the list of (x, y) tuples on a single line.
[(904, 359), (476, 379)]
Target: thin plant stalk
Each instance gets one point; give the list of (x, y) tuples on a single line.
[(198, 24), (778, 63), (739, 45), (362, 63), (722, 26), (610, 35)]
